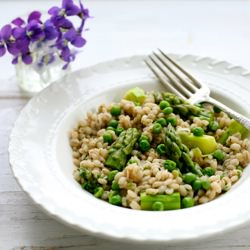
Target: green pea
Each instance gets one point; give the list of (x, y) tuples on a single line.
[(213, 125), (158, 206), (144, 145), (189, 178), (198, 131), (98, 192), (172, 121), (161, 149), (196, 185), (164, 104), (169, 165), (119, 130), (115, 110), (162, 121), (107, 137), (205, 184), (111, 128), (209, 171), (113, 123), (156, 128), (187, 202), (219, 155), (115, 200), (167, 110), (115, 186), (111, 175), (144, 137)]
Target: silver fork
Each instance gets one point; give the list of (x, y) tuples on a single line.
[(181, 83)]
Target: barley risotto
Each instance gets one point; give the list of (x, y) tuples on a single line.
[(155, 151)]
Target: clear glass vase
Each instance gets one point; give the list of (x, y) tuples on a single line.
[(46, 68)]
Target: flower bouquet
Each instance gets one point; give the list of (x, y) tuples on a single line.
[(43, 50)]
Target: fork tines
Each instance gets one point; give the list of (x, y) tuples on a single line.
[(172, 75)]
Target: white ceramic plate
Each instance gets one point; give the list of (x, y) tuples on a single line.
[(40, 154)]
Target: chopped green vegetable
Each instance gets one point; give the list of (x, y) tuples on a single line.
[(178, 152), (111, 128), (112, 174), (219, 155), (206, 115), (136, 95), (113, 123), (197, 185), (144, 137), (205, 143), (187, 202), (170, 202), (209, 171), (164, 104), (162, 121), (119, 130), (98, 192), (198, 131), (191, 166), (144, 145), (234, 127), (189, 178), (115, 186), (172, 98), (169, 165), (171, 120), (90, 181), (115, 199), (156, 128), (161, 149), (107, 137), (167, 110), (115, 110), (121, 148), (205, 184), (213, 125), (186, 109)]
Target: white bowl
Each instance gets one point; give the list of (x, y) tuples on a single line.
[(41, 159)]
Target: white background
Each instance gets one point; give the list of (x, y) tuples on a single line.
[(219, 29)]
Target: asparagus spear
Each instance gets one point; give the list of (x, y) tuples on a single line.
[(121, 148), (178, 151), (160, 201), (180, 106), (90, 182), (172, 99)]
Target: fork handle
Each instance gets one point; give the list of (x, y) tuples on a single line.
[(235, 115)]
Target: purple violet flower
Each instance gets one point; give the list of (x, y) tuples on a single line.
[(34, 30), (5, 35), (18, 22), (58, 33), (50, 31), (74, 38), (35, 15)]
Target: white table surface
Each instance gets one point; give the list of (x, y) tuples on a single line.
[(219, 29)]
